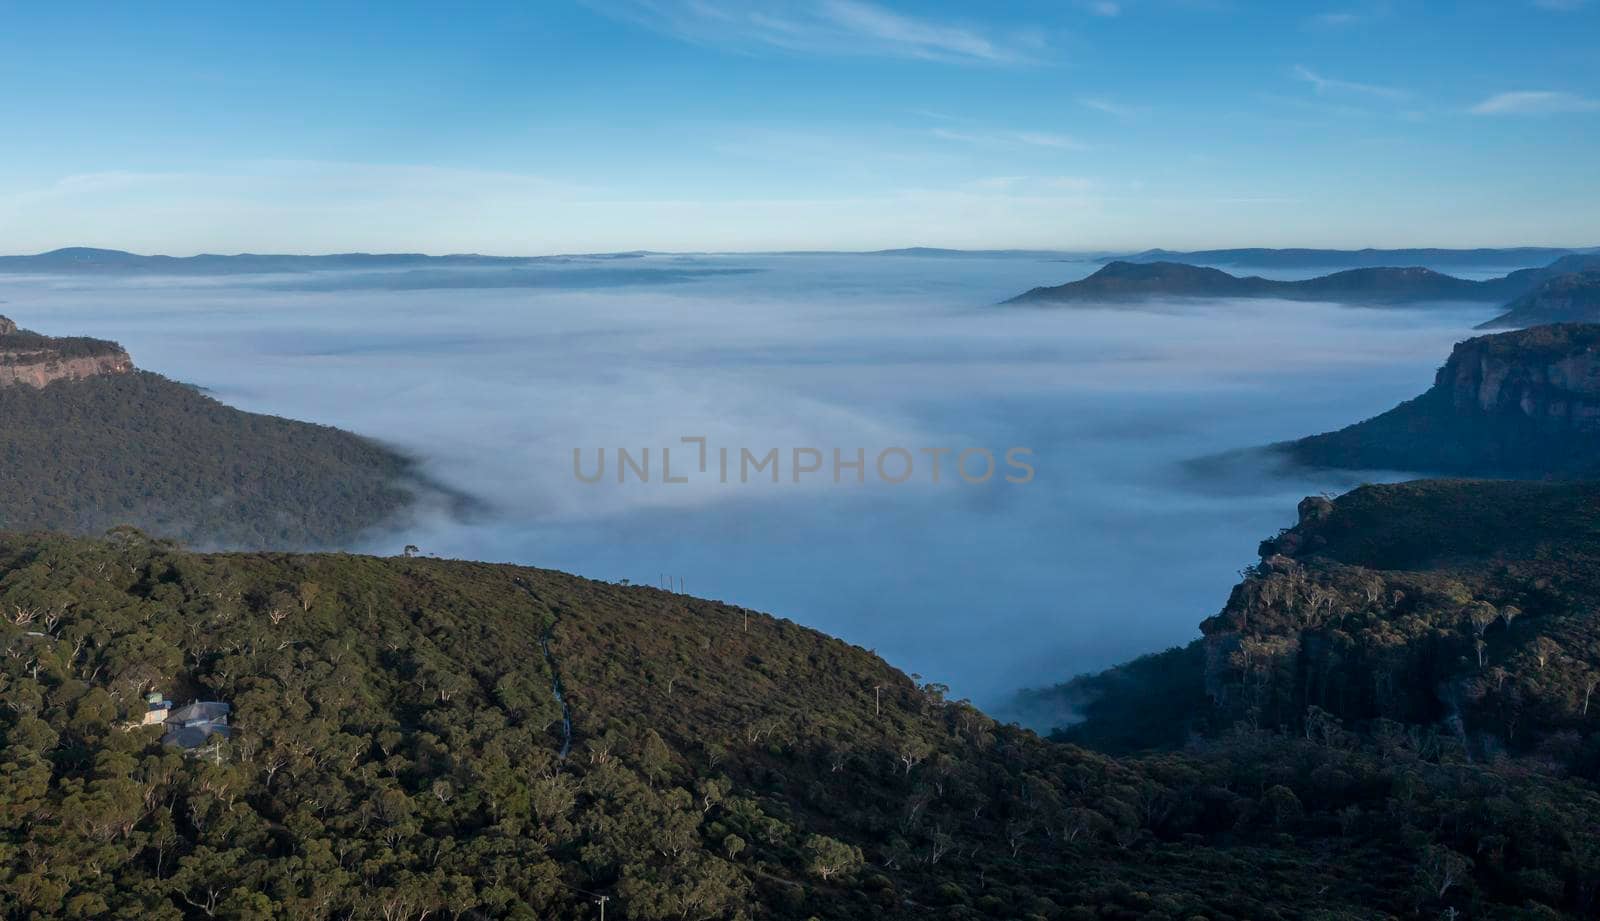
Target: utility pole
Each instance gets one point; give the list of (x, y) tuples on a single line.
[(601, 901), (877, 700)]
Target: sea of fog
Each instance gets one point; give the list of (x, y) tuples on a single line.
[(1114, 548)]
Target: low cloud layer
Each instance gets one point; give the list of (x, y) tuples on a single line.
[(1113, 549)]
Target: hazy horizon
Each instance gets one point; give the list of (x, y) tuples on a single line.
[(908, 248)]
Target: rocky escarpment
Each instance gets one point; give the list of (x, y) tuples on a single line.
[(1573, 298), (1521, 404), (1550, 376), (27, 358), (1455, 615), (1460, 606)]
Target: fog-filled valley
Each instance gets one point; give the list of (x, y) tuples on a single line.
[(492, 378)]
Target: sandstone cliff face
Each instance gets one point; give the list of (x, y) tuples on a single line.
[(1557, 388), (35, 361), (1523, 404), (39, 369)]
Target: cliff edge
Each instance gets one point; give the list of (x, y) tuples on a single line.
[(28, 358), (1517, 404)]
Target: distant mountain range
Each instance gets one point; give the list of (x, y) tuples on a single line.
[(1127, 281), (1359, 258), (91, 260), (87, 260)]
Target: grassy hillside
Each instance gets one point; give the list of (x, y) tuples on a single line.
[(82, 456), (399, 754)]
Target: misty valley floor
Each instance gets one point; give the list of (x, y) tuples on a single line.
[(1113, 549)]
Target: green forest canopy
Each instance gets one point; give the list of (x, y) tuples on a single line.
[(398, 754), (83, 456)]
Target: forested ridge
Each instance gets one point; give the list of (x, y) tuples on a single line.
[(397, 755), (81, 456)]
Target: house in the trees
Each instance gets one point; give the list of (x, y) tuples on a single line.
[(190, 726)]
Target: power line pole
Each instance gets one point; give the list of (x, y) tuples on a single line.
[(601, 901)]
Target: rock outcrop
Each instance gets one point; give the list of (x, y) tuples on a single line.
[(1550, 375), (1458, 614), (1520, 404), (27, 358), (1462, 605)]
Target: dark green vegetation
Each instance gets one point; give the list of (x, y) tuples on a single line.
[(135, 448), (397, 755), (1125, 281), (1573, 298), (88, 443), (24, 345), (1170, 694), (1463, 606), (1453, 620), (1517, 404)]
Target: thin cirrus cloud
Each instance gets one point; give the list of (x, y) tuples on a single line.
[(1535, 102), (1100, 104), (1042, 139), (832, 27), (1328, 85)]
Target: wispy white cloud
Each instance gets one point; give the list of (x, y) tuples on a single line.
[(852, 27), (1535, 102), (1035, 185), (1350, 15), (1103, 7), (1328, 85), (1100, 104), (1011, 139)]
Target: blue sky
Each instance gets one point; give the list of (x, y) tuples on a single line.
[(712, 124)]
